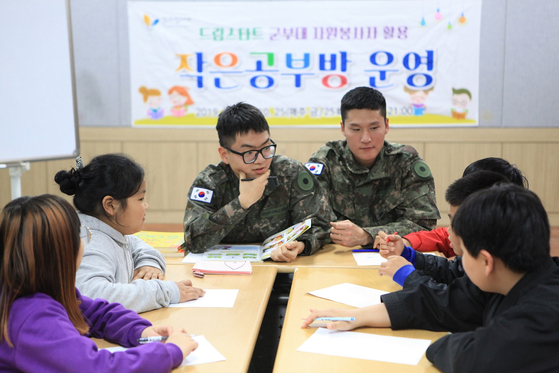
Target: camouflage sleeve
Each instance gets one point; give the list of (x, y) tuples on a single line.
[(205, 224), (417, 209), (309, 200)]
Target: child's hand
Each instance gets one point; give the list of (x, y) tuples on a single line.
[(184, 341), (392, 266), (189, 292), (394, 246), (148, 273), (333, 325), (288, 252), (251, 191), (154, 331)]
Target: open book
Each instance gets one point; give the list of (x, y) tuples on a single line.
[(252, 253)]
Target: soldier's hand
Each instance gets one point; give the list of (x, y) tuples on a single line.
[(251, 191), (288, 252), (346, 233), (392, 265)]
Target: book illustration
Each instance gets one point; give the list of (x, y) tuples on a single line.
[(254, 253)]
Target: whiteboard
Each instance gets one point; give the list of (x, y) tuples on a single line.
[(37, 90)]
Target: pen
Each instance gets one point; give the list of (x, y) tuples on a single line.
[(365, 250), (158, 338), (252, 178), (388, 239), (335, 319)]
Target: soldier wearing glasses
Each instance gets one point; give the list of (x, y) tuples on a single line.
[(254, 193)]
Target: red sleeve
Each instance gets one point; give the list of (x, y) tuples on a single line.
[(435, 240)]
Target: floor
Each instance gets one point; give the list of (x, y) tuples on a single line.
[(554, 241)]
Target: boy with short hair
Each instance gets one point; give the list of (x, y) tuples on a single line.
[(408, 267), (437, 239), (253, 193), (373, 185), (504, 315)]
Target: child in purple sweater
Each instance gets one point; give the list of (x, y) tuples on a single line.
[(45, 322)]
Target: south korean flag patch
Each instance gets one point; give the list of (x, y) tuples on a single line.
[(315, 168), (202, 195)]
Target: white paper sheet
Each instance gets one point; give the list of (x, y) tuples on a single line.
[(351, 294), (213, 298), (193, 258), (205, 353), (366, 346), (368, 259)]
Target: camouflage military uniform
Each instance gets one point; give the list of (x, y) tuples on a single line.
[(396, 195), (293, 197)]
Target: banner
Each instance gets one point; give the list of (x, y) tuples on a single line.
[(295, 60)]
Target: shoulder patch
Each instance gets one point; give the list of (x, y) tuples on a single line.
[(202, 195), (421, 169), (305, 181), (315, 168)]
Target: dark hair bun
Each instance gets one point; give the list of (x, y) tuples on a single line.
[(68, 181)]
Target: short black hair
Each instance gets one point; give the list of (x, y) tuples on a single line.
[(500, 166), (363, 98), (508, 221), (460, 189), (115, 175), (239, 119)]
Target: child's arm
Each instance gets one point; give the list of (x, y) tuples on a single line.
[(398, 268), (373, 316), (149, 263), (434, 240), (46, 341)]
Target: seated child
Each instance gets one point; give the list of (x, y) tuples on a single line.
[(45, 322), (408, 267), (437, 239), (254, 193), (504, 315), (117, 266)]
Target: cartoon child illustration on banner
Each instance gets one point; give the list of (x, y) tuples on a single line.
[(152, 98), (461, 99), (418, 98), (180, 100)]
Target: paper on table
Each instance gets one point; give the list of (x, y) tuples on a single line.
[(205, 353), (366, 346), (351, 294), (212, 298), (193, 257), (368, 259)]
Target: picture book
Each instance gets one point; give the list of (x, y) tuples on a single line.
[(223, 268), (168, 243), (252, 253)]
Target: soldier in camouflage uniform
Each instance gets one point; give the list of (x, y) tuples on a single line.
[(373, 185), (277, 192)]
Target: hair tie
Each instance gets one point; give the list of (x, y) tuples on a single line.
[(79, 163)]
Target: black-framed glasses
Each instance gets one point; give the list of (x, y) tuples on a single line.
[(251, 156), (85, 234)]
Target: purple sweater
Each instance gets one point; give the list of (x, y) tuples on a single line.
[(45, 340)]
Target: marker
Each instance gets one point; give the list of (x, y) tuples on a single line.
[(269, 178), (388, 239), (198, 274), (159, 338), (335, 319), (365, 250)]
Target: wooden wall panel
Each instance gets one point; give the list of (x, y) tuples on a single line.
[(173, 157)]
